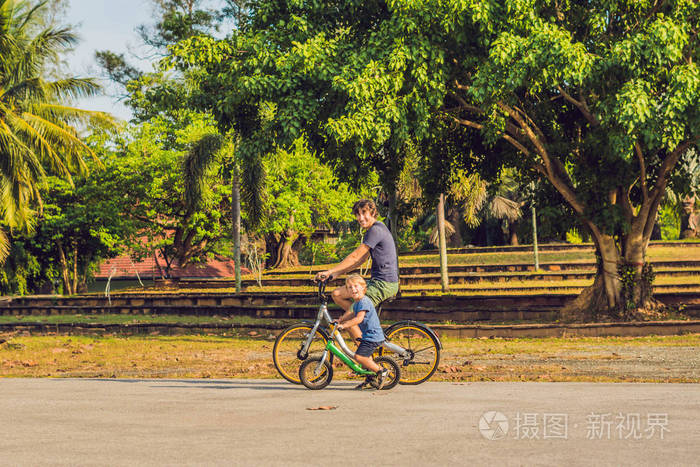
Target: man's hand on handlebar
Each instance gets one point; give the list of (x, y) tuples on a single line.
[(323, 276)]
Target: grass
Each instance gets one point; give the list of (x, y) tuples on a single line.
[(586, 359), (660, 253), (114, 318)]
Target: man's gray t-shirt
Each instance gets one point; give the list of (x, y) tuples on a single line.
[(385, 263)]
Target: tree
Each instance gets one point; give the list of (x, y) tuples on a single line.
[(176, 20), (311, 60), (301, 195), (37, 126), (81, 224), (185, 226), (599, 98)]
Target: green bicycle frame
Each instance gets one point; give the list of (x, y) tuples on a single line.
[(330, 346)]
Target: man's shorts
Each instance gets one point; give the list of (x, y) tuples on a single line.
[(379, 290), (366, 348)]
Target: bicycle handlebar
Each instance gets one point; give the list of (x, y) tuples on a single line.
[(322, 289)]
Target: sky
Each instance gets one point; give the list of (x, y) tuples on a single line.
[(107, 25)]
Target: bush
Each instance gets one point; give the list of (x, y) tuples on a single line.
[(670, 222), (317, 253)]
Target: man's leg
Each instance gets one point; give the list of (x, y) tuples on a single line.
[(342, 297)]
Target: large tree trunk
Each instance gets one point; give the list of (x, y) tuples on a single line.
[(622, 288), (64, 269), (285, 250), (513, 233)]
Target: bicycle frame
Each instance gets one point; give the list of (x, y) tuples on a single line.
[(330, 347), (324, 316)]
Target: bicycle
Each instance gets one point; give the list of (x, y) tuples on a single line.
[(415, 346), (317, 372)]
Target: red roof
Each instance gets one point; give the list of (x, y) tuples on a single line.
[(124, 267)]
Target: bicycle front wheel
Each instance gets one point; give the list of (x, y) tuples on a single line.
[(287, 352), (315, 375), (423, 352)]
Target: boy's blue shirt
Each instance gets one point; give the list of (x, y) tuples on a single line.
[(370, 326)]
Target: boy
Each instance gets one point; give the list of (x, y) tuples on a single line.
[(361, 319)]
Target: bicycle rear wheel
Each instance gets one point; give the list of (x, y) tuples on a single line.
[(422, 348), (286, 351)]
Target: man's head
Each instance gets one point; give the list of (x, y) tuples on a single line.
[(365, 212), (356, 285)]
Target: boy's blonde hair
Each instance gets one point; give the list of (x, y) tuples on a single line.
[(355, 279)]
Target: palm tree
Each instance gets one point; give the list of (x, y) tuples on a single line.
[(503, 200), (37, 124)]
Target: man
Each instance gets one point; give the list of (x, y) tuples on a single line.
[(378, 244)]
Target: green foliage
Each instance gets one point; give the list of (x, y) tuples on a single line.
[(37, 132), (22, 272), (573, 236), (348, 242), (80, 222), (148, 172), (302, 193), (669, 222)]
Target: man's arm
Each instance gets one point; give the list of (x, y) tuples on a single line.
[(351, 261)]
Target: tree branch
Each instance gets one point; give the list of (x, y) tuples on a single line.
[(581, 105), (643, 172), (532, 123), (466, 106)]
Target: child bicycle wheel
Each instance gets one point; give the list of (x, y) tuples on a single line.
[(308, 376), (392, 379)]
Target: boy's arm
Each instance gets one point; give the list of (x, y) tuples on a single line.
[(351, 261), (354, 321), (346, 316)]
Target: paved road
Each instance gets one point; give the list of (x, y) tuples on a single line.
[(248, 422)]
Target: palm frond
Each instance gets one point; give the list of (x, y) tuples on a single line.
[(67, 113), (73, 88), (434, 238), (65, 137), (195, 165), (504, 208), (4, 247), (18, 158), (36, 138), (253, 188), (471, 192)]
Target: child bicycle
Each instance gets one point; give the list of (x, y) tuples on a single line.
[(317, 372), (414, 346)]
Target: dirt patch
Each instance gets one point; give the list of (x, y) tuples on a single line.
[(644, 359), (642, 363)]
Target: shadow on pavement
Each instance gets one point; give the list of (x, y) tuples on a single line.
[(227, 384)]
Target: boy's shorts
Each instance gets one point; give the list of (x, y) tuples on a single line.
[(366, 348), (379, 290)]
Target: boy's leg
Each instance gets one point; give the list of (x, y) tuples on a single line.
[(367, 362), (354, 332)]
